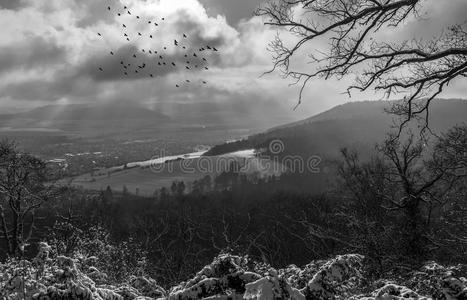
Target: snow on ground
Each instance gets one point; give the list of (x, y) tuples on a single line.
[(227, 277)]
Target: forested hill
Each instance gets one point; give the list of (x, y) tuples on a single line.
[(356, 125)]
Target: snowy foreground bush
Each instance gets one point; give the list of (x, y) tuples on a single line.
[(227, 277)]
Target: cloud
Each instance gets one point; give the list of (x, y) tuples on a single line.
[(11, 4), (62, 44), (50, 51), (34, 53), (235, 11)]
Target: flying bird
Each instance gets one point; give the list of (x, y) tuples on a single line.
[(140, 66)]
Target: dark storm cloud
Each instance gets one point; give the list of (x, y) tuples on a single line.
[(114, 66), (194, 30), (11, 4), (37, 52), (234, 10)]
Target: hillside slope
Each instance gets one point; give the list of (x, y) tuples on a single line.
[(357, 125)]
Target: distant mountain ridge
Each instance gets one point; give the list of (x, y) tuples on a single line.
[(354, 124), (131, 116), (88, 112)]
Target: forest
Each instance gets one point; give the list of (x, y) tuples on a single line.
[(398, 212)]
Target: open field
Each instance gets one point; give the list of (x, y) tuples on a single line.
[(144, 178)]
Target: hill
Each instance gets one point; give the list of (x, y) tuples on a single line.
[(134, 117), (356, 124), (82, 117)]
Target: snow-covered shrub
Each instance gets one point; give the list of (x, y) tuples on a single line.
[(227, 274), (298, 277), (116, 261), (393, 291), (272, 287), (440, 282), (337, 276), (147, 287), (228, 277)]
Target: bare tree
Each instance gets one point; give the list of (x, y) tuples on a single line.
[(22, 192), (417, 185), (419, 69), (450, 158)]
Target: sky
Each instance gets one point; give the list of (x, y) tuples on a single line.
[(50, 53)]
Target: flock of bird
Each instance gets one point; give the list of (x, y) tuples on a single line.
[(143, 63)]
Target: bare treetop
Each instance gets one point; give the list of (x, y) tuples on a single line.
[(417, 69)]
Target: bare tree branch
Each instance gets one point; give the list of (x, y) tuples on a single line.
[(419, 69)]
